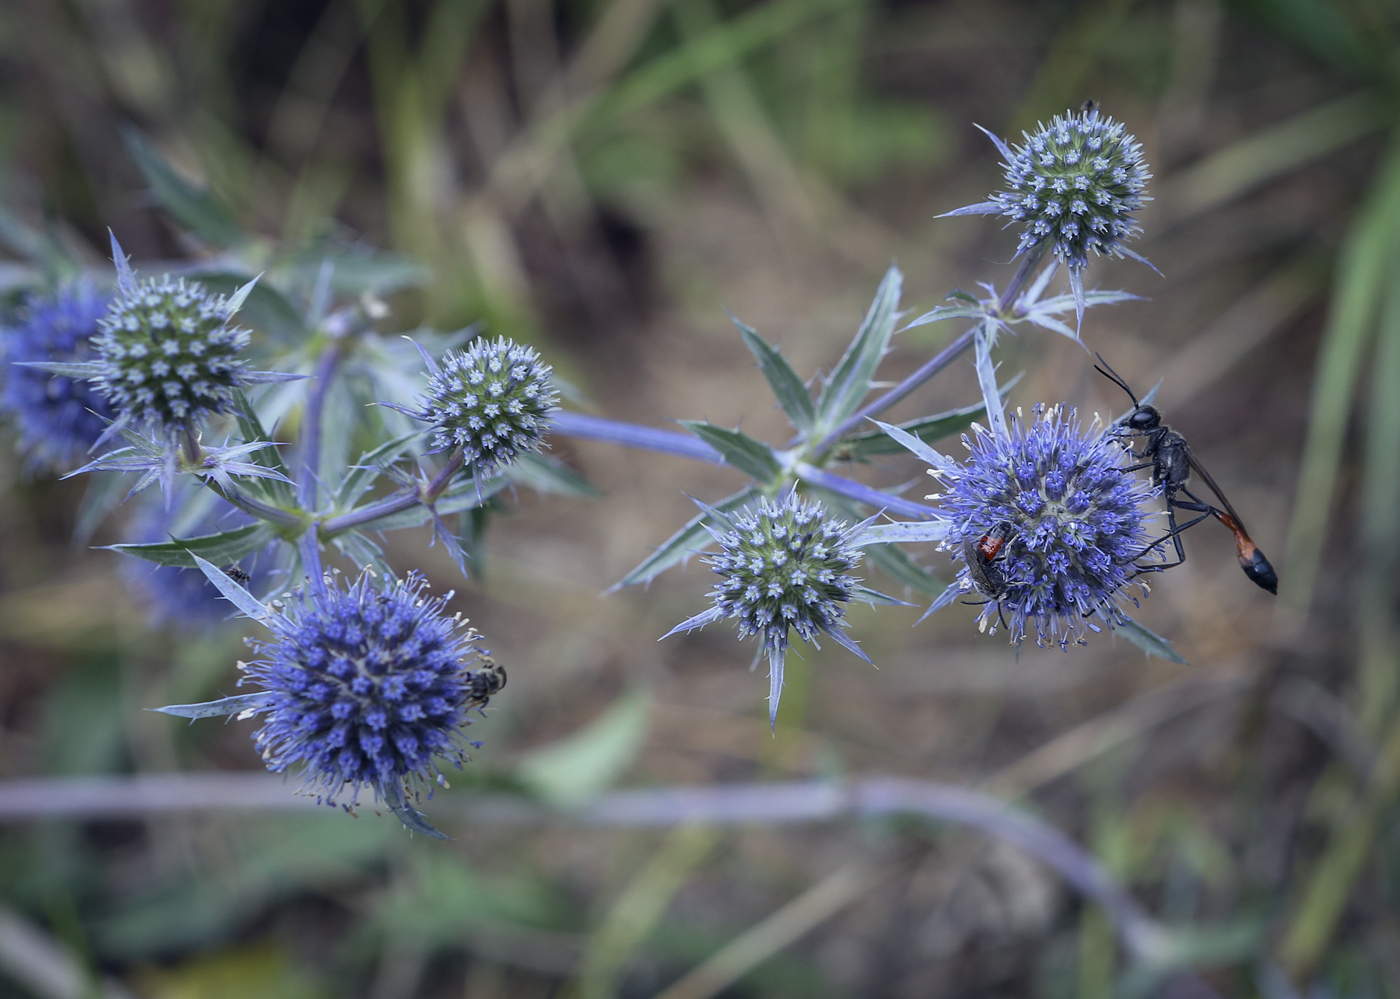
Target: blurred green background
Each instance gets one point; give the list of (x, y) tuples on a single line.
[(605, 178)]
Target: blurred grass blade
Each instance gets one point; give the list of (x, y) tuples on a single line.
[(753, 458), (639, 909), (221, 548), (1361, 277), (574, 769), (1233, 171), (196, 207), (1149, 641), (684, 543), (850, 381), (792, 394)]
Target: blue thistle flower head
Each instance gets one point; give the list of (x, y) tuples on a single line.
[(169, 354), (1075, 184), (493, 400), (784, 565), (1048, 524), (367, 684), (58, 417)]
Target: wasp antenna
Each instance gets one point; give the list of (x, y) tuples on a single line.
[(1114, 377)]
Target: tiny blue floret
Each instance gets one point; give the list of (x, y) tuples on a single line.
[(1066, 525), (58, 417)]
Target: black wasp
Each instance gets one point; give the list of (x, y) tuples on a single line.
[(1172, 463), (487, 680)]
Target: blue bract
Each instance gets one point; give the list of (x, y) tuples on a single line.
[(783, 566), (366, 685), (168, 353), (492, 400), (58, 417), (1067, 516)]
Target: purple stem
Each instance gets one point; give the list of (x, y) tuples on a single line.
[(396, 503), (315, 410), (939, 361), (257, 508), (595, 428), (88, 798), (871, 497)]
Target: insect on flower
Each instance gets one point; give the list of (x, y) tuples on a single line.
[(1172, 462)]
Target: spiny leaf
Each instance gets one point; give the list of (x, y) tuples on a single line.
[(753, 458)]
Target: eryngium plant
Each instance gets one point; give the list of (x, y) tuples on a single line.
[(58, 417)]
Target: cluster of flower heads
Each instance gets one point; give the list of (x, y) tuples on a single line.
[(169, 354), (1048, 523), (368, 684), (783, 566), (492, 400), (1075, 184), (58, 417)]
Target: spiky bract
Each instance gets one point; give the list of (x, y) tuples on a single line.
[(58, 417), (169, 354), (369, 684), (1077, 530), (492, 400)]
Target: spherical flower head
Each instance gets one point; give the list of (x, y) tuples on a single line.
[(492, 400), (1049, 526), (785, 565), (169, 354), (59, 418), (368, 685), (1076, 183)]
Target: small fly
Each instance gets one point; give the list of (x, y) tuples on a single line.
[(1165, 452)]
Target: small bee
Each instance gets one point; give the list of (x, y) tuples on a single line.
[(487, 680), (236, 574)]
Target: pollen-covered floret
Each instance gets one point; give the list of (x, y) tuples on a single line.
[(169, 353), (369, 684), (493, 400), (58, 417), (784, 565), (1069, 516)]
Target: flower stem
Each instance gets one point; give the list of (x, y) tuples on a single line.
[(315, 412), (938, 362), (398, 502), (593, 428), (263, 511)]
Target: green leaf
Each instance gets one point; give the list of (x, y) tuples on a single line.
[(753, 458), (792, 394), (548, 475), (251, 429), (928, 430), (850, 381), (949, 312), (221, 549), (574, 769), (895, 563), (371, 464), (194, 206), (265, 308), (684, 543), (1149, 642), (365, 553)]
